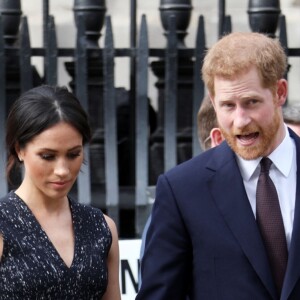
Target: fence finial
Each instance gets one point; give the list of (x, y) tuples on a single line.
[(264, 16), (93, 12), (11, 17), (181, 10)]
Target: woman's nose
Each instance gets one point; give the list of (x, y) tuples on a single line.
[(61, 168)]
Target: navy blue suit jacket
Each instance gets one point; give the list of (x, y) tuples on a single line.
[(203, 240)]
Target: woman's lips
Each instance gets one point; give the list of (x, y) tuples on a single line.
[(60, 184)]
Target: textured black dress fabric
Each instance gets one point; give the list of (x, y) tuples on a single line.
[(31, 267)]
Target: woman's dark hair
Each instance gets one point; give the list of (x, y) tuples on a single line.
[(38, 109)]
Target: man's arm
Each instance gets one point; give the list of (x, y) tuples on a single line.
[(166, 265)]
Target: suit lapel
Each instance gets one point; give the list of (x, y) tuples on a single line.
[(293, 268), (230, 196)]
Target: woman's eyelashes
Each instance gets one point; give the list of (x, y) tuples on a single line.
[(50, 156)]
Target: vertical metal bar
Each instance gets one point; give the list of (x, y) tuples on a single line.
[(284, 42), (3, 181), (142, 132), (25, 57), (132, 102), (132, 43), (198, 83), (51, 54), (222, 5), (170, 108), (227, 25), (45, 20), (110, 126), (83, 181), (45, 31), (283, 33)]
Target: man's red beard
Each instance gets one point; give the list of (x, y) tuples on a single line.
[(265, 134)]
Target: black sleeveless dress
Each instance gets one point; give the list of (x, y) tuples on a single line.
[(31, 268)]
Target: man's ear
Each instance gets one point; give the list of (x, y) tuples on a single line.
[(282, 90), (216, 137)]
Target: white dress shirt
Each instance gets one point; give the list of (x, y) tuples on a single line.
[(282, 172)]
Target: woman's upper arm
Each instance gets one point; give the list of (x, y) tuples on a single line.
[(113, 287)]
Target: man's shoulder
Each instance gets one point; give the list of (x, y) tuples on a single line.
[(193, 167), (207, 158)]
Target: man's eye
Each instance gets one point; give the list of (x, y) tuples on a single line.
[(228, 105), (253, 101)]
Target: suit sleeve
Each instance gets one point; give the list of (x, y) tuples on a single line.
[(166, 265)]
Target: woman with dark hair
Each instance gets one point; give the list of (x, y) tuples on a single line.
[(52, 247)]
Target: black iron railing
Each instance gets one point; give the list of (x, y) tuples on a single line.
[(132, 143)]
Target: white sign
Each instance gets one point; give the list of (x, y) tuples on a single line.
[(129, 268)]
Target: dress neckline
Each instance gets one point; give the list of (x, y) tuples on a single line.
[(44, 234)]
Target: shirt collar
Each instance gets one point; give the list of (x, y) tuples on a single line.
[(282, 158)]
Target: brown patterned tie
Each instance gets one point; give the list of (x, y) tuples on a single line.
[(269, 219)]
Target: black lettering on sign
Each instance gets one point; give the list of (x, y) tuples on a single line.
[(125, 268)]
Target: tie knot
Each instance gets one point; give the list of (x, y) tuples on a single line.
[(265, 164)]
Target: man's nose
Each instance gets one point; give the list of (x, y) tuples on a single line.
[(241, 118)]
